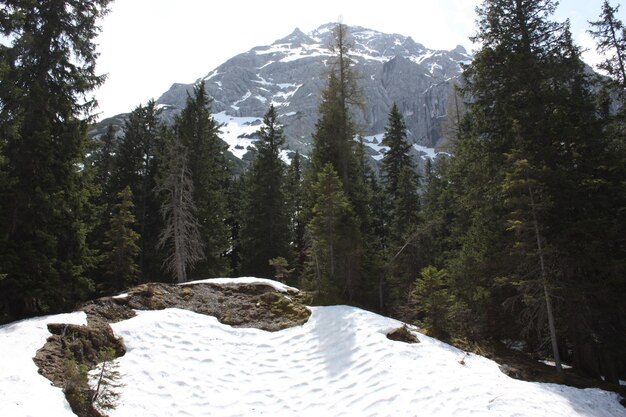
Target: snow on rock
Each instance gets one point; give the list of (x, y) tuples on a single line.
[(278, 286), (339, 363), (23, 392), (236, 131)]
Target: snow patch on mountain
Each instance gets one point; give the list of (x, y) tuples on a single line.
[(374, 142), (238, 132)]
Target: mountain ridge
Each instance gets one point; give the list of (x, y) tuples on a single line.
[(291, 73)]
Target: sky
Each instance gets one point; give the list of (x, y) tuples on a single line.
[(147, 45)]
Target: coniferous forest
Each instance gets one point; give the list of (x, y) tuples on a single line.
[(518, 234)]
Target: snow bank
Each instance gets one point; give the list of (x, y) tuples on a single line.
[(339, 363), (23, 392)]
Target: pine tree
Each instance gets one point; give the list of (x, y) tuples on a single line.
[(333, 230), (531, 98), (210, 173), (180, 236), (610, 35), (48, 72), (295, 211), (122, 250), (265, 223), (401, 185), (136, 166), (397, 157)]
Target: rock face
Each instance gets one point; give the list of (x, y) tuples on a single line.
[(292, 71)]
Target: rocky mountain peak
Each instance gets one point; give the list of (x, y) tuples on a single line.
[(296, 39), (291, 73)]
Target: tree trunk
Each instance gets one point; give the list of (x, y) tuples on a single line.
[(544, 279)]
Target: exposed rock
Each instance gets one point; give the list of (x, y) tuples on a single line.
[(244, 305), (402, 334), (81, 343)]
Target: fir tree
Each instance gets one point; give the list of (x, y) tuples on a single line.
[(531, 98), (610, 36), (122, 250), (524, 195), (401, 183), (397, 157), (210, 173), (333, 230), (265, 224), (48, 72), (136, 166), (295, 211), (333, 143)]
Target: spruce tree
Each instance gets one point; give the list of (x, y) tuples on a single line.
[(610, 36), (136, 166), (400, 185), (333, 230), (295, 211), (48, 72), (265, 223), (121, 248), (531, 98), (333, 143), (210, 172), (397, 157)]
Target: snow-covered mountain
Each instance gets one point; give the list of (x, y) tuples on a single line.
[(338, 363), (291, 72)]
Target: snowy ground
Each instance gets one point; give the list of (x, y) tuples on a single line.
[(23, 392), (179, 363)]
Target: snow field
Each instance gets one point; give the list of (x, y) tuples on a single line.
[(339, 363)]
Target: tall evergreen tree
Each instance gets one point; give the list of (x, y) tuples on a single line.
[(333, 142), (401, 184), (397, 157), (530, 98), (136, 166), (210, 173), (122, 250), (180, 235), (48, 71), (295, 212), (334, 230), (265, 223), (610, 35)]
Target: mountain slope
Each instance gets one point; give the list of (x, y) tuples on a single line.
[(292, 71), (339, 363)]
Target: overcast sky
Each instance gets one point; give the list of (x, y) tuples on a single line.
[(147, 45)]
